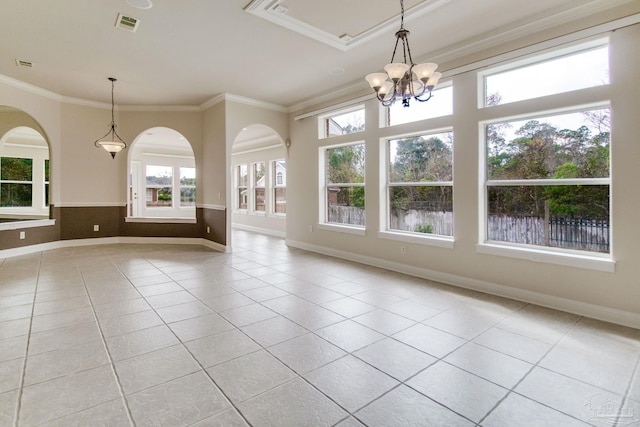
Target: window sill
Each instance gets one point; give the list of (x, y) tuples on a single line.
[(597, 262), (160, 220), (339, 228), (15, 225), (426, 240)]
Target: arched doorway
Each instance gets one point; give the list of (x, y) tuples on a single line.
[(258, 178), (162, 175)]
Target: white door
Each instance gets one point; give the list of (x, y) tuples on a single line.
[(135, 198)]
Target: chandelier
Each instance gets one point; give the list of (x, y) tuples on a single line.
[(404, 80), (111, 141)]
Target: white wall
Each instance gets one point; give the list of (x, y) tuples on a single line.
[(610, 295)]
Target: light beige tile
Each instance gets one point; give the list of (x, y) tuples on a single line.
[(63, 338), (515, 345), (8, 403), (199, 327), (47, 401), (348, 307), (13, 348), (349, 335), (306, 353), (184, 311), (412, 310), (295, 403), (314, 318), (384, 322), (140, 342), (219, 348), (273, 331), (130, 323), (350, 382), (182, 401), (168, 299), (111, 413), (250, 375), (489, 364), (228, 418), (150, 369), (519, 411), (248, 314), (460, 391), (429, 340), (406, 407), (395, 358), (10, 374), (57, 363)]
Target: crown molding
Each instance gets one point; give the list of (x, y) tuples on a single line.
[(9, 81)]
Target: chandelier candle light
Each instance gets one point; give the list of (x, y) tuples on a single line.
[(404, 80), (112, 144)]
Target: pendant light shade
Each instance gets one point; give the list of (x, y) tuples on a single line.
[(111, 141)]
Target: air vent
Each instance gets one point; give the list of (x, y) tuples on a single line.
[(127, 22), (24, 64)]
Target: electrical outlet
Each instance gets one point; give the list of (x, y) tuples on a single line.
[(23, 235), (208, 229), (96, 227), (403, 250)]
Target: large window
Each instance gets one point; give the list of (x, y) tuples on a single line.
[(16, 182), (187, 186), (563, 73), (548, 181), (344, 184), (420, 184), (159, 184), (259, 178), (279, 180), (342, 122), (242, 187)]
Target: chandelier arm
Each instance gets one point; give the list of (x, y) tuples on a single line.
[(118, 136), (393, 55), (423, 100)]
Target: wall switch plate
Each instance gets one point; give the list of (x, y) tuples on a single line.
[(23, 235), (96, 227)]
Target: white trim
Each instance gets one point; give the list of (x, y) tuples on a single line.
[(213, 207), (426, 239), (241, 100), (567, 258), (19, 225), (547, 181), (161, 220), (345, 104), (558, 303), (25, 250), (259, 230), (253, 150), (342, 228)]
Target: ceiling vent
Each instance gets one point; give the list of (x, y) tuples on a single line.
[(24, 64), (127, 22)]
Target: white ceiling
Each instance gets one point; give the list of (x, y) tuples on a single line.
[(187, 52)]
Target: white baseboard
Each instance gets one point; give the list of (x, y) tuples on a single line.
[(260, 230), (564, 304), (25, 250)]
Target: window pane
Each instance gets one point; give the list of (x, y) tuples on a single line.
[(242, 198), (572, 145), (15, 195), (441, 104), (16, 169), (187, 186), (418, 209), (159, 183), (46, 170), (280, 172), (582, 70), (280, 197), (345, 164), (243, 176), (425, 158), (346, 205), (565, 216), (345, 123)]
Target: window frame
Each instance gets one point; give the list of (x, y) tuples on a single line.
[(385, 232), (273, 164), (592, 260), (238, 174), (323, 220), (323, 121), (253, 184)]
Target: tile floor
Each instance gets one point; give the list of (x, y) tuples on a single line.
[(151, 335)]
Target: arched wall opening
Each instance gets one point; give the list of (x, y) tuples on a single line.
[(161, 175), (24, 168), (258, 180)]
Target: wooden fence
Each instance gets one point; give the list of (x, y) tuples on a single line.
[(570, 233)]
